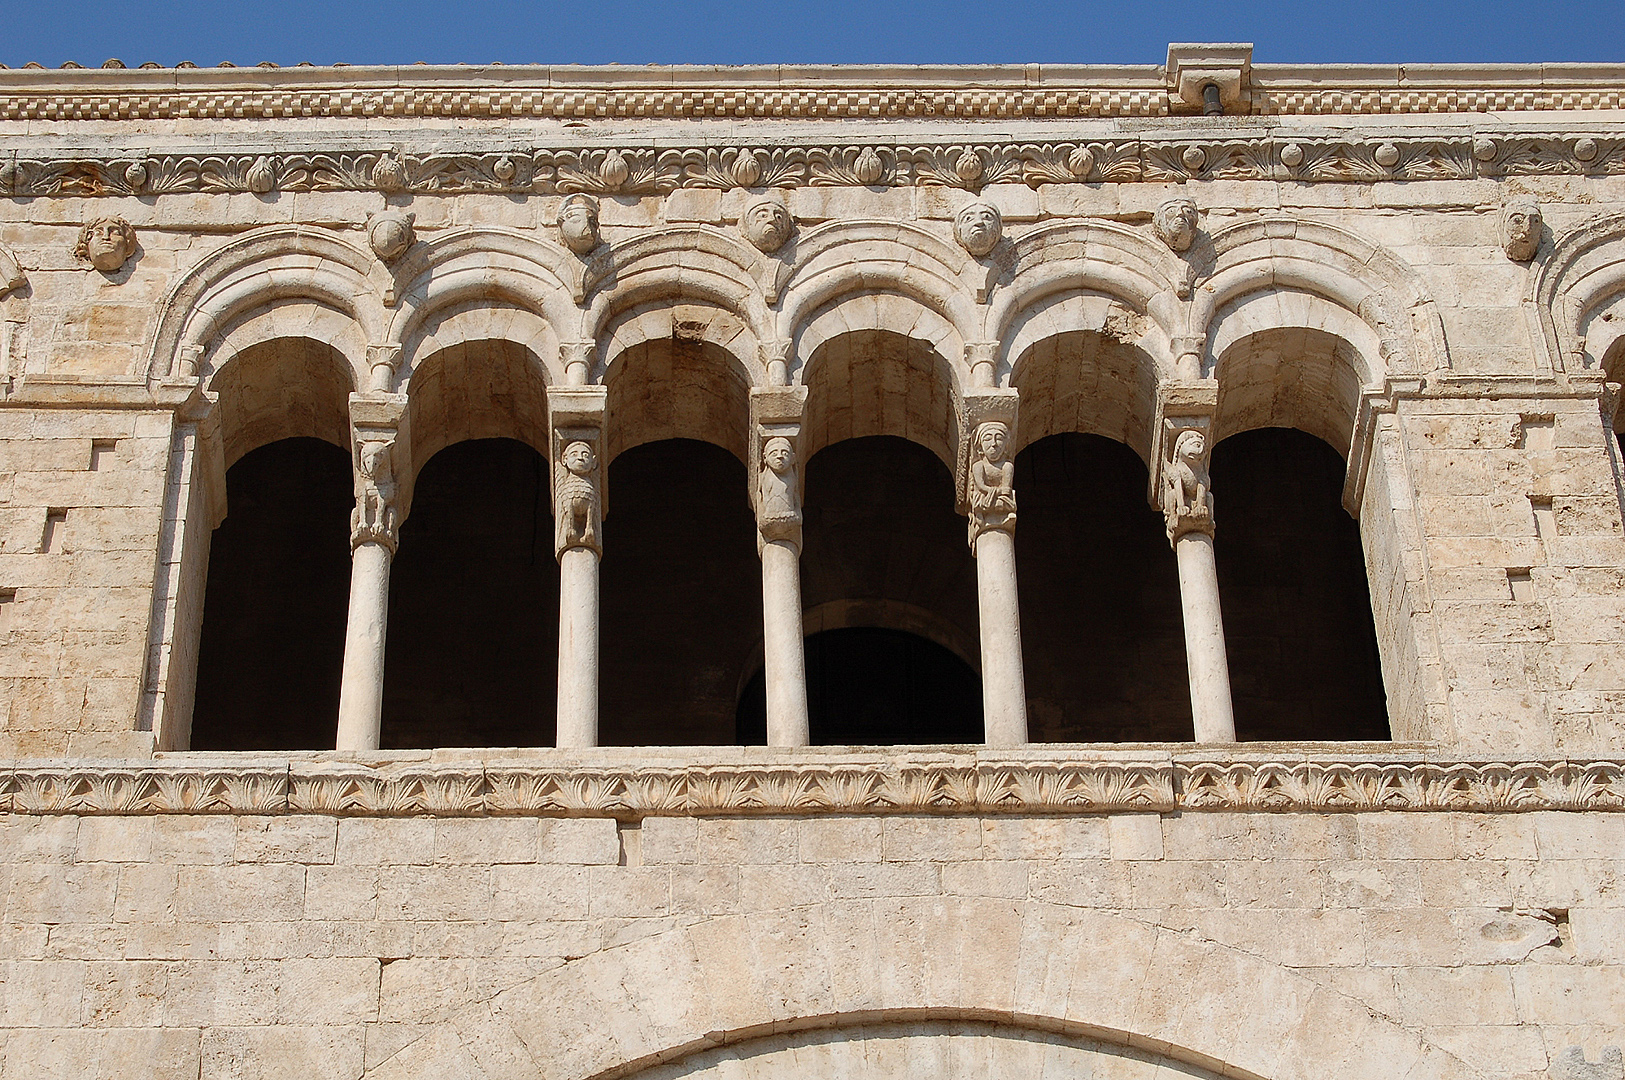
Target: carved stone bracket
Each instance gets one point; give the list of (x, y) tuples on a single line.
[(576, 416), (381, 460), (777, 415), (383, 361), (1041, 782), (1182, 441)]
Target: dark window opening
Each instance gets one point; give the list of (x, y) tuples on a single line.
[(681, 595), (870, 686), (1292, 584), (472, 654), (1103, 638), (272, 646)]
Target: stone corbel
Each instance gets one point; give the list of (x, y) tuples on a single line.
[(381, 463), (383, 361), (577, 415), (578, 358), (1183, 406), (1193, 67), (777, 413)]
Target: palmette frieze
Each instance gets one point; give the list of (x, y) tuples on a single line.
[(628, 170), (976, 784)]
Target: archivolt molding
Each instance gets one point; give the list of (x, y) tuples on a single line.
[(1272, 252), (1047, 781), (1583, 274), (483, 320), (291, 319), (883, 257), (258, 268), (1089, 256), (466, 265), (676, 265), (888, 313)]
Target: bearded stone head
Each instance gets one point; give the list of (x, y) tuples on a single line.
[(1175, 224), (1520, 229), (766, 223), (107, 243), (978, 227), (578, 223)]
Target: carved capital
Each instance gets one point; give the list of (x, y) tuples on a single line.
[(383, 361), (777, 414), (982, 357), (986, 467), (576, 421), (578, 358), (775, 356), (1180, 485), (379, 459)]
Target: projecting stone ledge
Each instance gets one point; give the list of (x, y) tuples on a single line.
[(746, 781)]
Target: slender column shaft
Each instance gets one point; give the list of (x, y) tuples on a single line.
[(1204, 639), (1004, 693), (578, 647), (361, 694), (783, 659)]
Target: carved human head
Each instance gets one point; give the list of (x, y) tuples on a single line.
[(579, 458), (778, 454), (1520, 229), (1175, 224), (1190, 446), (578, 223), (978, 227), (766, 223), (107, 242), (991, 438), (389, 233)]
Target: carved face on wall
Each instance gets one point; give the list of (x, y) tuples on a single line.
[(991, 439), (106, 242), (779, 455), (1175, 224), (1520, 229), (1190, 446), (766, 223), (579, 458), (978, 227), (578, 223), (390, 233)]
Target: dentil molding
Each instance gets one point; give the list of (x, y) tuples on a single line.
[(845, 783)]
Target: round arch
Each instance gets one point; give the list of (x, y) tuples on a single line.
[(1087, 973), (1577, 294), (255, 270)]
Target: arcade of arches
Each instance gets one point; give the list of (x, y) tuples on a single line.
[(888, 585)]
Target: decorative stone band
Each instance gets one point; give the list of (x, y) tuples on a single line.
[(971, 165), (863, 784)]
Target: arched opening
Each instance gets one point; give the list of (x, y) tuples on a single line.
[(271, 643), (885, 550), (273, 616), (681, 595), (870, 685), (472, 654), (1101, 629), (1292, 582)]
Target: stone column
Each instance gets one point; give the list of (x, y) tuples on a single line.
[(991, 505), (1186, 501), (576, 416), (378, 458), (776, 423)]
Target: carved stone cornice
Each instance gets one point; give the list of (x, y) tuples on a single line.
[(627, 169), (1006, 91), (866, 783)]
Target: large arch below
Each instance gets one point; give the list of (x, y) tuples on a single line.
[(835, 964)]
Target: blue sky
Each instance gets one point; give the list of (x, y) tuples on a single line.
[(813, 31)]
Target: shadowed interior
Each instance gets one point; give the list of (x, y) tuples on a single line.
[(1292, 582)]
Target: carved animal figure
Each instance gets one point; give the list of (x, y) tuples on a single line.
[(578, 498), (1187, 502)]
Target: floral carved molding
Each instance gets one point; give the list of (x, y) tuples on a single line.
[(634, 170), (945, 784)]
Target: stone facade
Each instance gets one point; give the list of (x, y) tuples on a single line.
[(1422, 267)]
